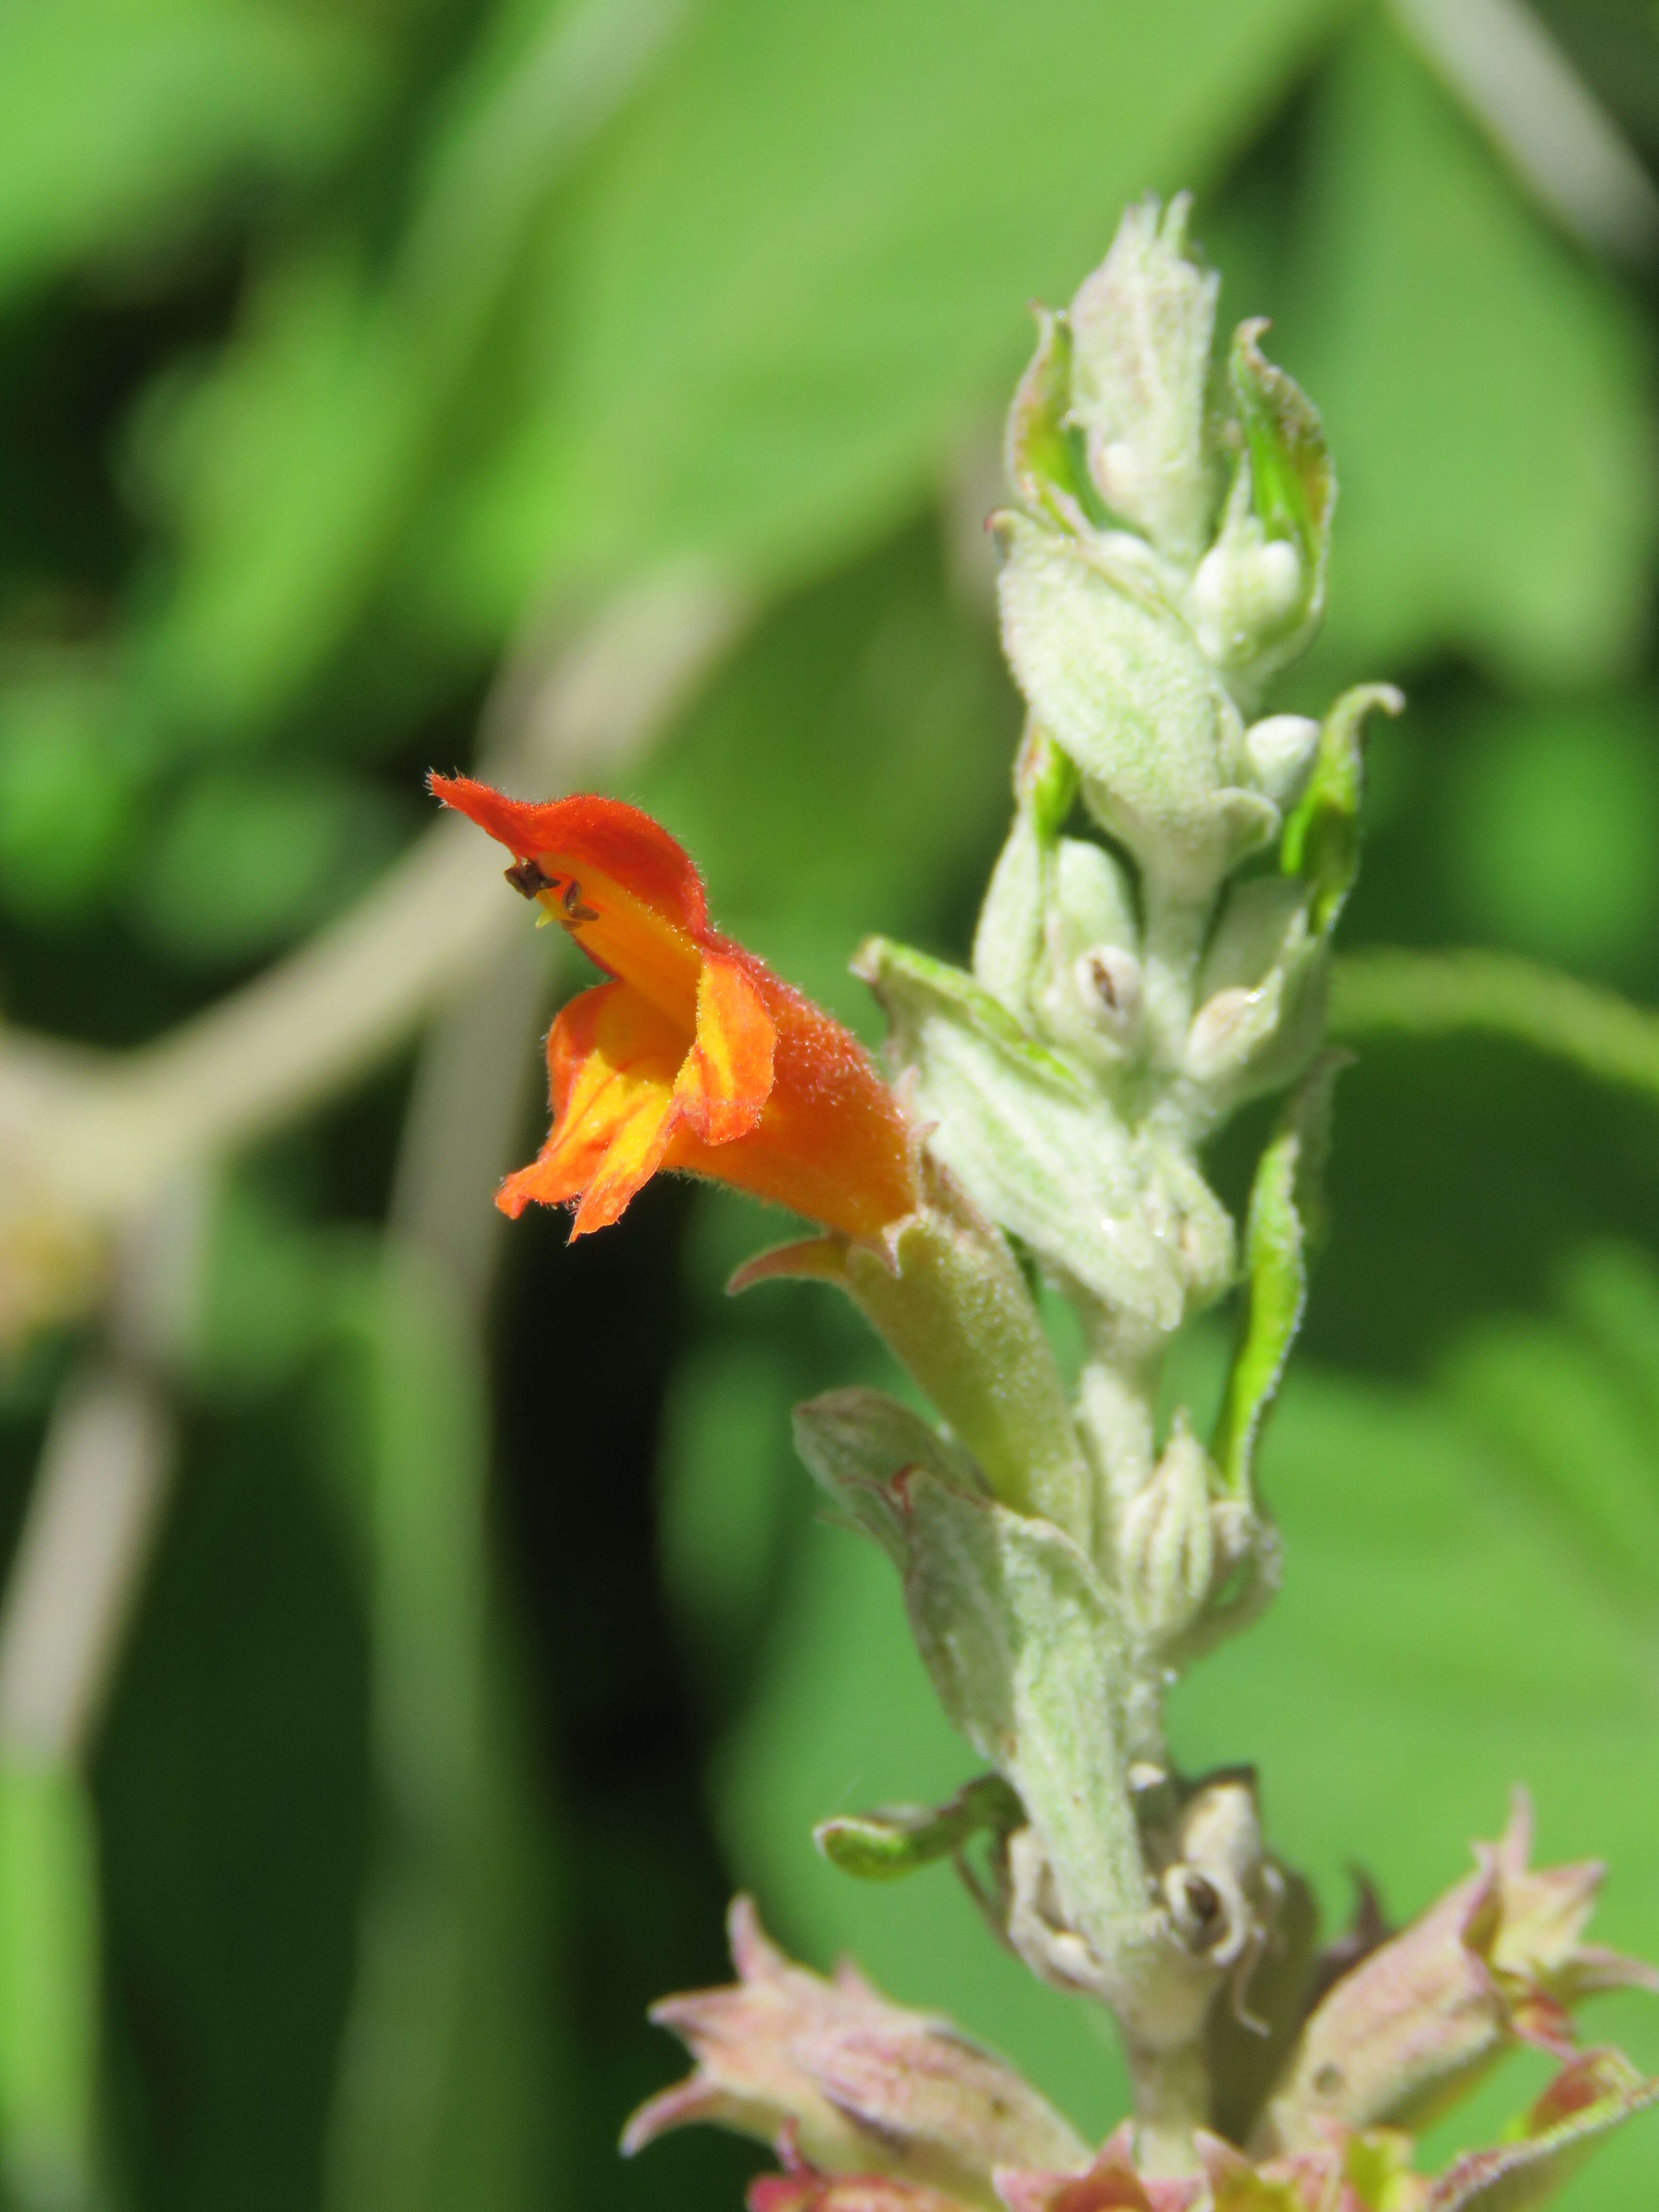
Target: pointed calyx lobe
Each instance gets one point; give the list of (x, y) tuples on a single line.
[(694, 1056), (872, 2108), (848, 2084), (1498, 1961)]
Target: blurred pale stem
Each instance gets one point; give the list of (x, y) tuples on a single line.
[(1435, 994), (96, 1135), (1507, 68), (91, 1515)]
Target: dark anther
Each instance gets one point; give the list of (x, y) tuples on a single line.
[(572, 902), (527, 879), (1102, 976), (1204, 1902), (1328, 2081)]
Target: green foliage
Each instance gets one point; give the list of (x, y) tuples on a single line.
[(248, 859), (1444, 330), (125, 121), (885, 1846), (1552, 821)]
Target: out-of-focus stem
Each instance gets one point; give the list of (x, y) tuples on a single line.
[(1116, 1403), (1432, 994), (1171, 2090), (1510, 72), (92, 1514), (1172, 945)]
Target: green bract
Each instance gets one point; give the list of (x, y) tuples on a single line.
[(1114, 676)]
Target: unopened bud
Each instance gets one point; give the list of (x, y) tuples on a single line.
[(1281, 751), (1168, 1538), (1141, 328), (1090, 997), (1248, 589), (1252, 989), (1228, 1027)]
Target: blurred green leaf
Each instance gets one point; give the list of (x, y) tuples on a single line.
[(66, 792), (248, 859), (231, 1782), (722, 1513), (1552, 830), (794, 280), (1572, 1413), (695, 355), (849, 770), (447, 2082), (49, 1985), (120, 120), (264, 1295), (1486, 393), (292, 472)]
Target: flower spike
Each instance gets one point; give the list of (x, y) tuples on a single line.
[(694, 1056)]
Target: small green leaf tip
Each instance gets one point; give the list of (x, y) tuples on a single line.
[(1045, 783), (887, 1844), (1320, 841), (1291, 481), (1587, 2100), (1042, 452), (1285, 1219)]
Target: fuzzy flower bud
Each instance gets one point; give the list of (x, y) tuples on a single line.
[(1247, 588), (1281, 751), (1141, 328), (1168, 1541)]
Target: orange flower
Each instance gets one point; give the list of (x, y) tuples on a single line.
[(696, 1056)]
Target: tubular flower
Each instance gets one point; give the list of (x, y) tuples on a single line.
[(694, 1056)]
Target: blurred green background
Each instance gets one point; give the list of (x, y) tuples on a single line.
[(358, 357)]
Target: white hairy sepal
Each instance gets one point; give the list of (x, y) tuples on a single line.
[(1142, 326), (1122, 1212), (1086, 995), (1180, 1542), (950, 1302), (855, 1442), (1115, 677), (1008, 941), (1031, 1656), (1261, 995), (1251, 591), (1281, 751), (1057, 945)]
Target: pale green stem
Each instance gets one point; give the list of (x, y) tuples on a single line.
[(1117, 1393), (1172, 944), (1172, 2099), (1429, 994)]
